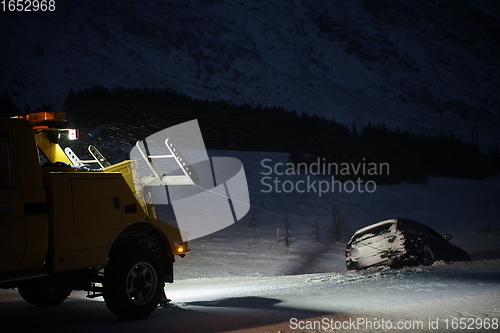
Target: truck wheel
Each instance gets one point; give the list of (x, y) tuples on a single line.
[(44, 296), (133, 285)]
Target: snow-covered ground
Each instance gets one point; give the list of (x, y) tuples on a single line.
[(467, 209), (438, 298), (245, 281), (241, 280), (421, 299)]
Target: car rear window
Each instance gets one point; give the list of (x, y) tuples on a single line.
[(372, 232)]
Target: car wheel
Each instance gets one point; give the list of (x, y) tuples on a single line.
[(429, 256), (44, 296), (133, 285)]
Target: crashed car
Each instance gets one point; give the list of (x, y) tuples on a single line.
[(399, 243)]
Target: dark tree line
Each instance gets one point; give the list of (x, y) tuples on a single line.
[(134, 114), (8, 108)]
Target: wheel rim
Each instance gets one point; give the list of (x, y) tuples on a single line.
[(141, 283)]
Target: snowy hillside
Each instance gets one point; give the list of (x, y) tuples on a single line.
[(468, 209), (428, 66)]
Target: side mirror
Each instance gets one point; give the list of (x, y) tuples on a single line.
[(448, 237)]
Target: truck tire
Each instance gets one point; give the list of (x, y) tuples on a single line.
[(44, 296), (133, 285)]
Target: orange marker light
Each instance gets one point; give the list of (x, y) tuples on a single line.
[(179, 248)]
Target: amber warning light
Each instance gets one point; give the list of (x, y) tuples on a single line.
[(47, 119), (43, 117)]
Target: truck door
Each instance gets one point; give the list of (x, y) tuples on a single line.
[(12, 217)]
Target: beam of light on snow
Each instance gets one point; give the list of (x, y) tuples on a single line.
[(195, 294)]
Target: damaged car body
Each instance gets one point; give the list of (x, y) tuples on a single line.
[(398, 243)]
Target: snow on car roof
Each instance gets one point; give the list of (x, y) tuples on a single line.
[(376, 225)]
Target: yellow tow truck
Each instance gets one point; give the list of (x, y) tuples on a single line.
[(67, 227)]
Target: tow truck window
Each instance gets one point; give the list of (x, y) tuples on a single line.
[(42, 158), (5, 174)]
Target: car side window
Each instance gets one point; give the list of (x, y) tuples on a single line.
[(428, 232), (5, 171), (418, 229), (409, 227)]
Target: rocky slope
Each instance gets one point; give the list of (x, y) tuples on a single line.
[(432, 66)]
